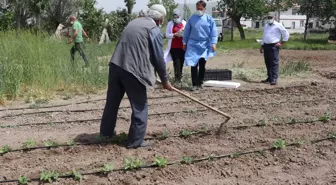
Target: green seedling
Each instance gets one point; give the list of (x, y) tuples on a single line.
[(325, 118), (186, 160), (235, 155), (161, 161), (262, 153), (76, 175), (299, 142), (50, 143), (212, 158), (70, 142), (279, 144), (262, 123), (132, 164), (23, 180), (293, 121), (5, 149), (332, 136), (29, 144), (121, 137), (164, 135), (49, 176), (185, 133), (107, 168)]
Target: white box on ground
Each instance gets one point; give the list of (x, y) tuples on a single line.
[(214, 83)]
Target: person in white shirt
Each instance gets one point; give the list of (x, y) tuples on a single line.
[(175, 51), (270, 46)]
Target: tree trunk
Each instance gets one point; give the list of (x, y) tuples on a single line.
[(38, 21), (239, 26), (306, 27), (231, 29)]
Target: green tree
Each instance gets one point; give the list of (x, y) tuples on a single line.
[(91, 18), (21, 12), (186, 12), (37, 8), (58, 11), (118, 20), (130, 4), (322, 9), (278, 6), (236, 9)]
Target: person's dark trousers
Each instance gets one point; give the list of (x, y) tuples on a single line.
[(197, 73), (119, 82), (271, 55), (78, 47), (178, 62)]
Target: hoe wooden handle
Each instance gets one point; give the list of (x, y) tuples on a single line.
[(205, 105)]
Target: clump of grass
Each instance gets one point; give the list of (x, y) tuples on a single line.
[(186, 160), (294, 67), (22, 180), (279, 144), (49, 176), (50, 143), (132, 163), (107, 168), (325, 118), (5, 149), (29, 144), (161, 161), (70, 142), (76, 175), (46, 65)]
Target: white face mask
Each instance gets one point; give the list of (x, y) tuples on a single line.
[(270, 21), (177, 20), (200, 13)]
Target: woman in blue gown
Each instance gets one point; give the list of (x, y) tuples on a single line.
[(199, 40)]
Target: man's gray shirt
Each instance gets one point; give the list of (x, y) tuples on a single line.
[(140, 51)]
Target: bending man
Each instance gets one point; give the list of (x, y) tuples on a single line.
[(138, 55)]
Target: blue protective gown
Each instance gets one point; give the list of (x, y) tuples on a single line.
[(199, 35)]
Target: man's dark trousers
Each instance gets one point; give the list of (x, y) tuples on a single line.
[(78, 47), (197, 76), (271, 55), (121, 81)]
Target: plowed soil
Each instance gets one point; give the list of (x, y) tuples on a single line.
[(300, 97)]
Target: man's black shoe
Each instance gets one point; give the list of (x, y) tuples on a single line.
[(273, 83), (142, 145), (265, 81)]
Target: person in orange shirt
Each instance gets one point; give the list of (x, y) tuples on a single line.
[(175, 50)]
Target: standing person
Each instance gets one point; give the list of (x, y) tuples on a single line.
[(175, 49), (131, 70), (270, 46), (199, 40), (77, 38)]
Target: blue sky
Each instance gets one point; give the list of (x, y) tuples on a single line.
[(110, 5)]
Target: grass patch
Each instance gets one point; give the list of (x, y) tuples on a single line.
[(294, 67), (36, 64), (315, 41)]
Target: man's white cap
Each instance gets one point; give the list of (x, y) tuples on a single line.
[(157, 11), (143, 12)]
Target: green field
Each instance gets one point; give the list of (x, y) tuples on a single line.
[(40, 65), (35, 66), (296, 42)]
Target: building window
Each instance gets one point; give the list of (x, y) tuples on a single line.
[(301, 23)]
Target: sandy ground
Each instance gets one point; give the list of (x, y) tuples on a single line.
[(304, 96)]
